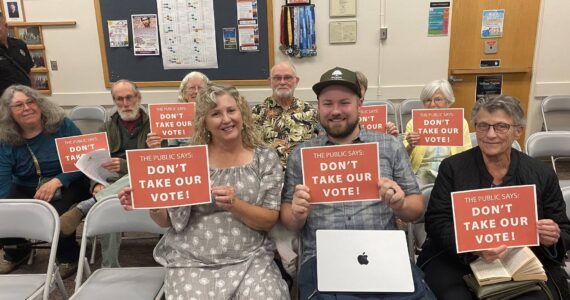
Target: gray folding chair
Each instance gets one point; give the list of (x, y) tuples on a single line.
[(108, 216), (406, 111), (549, 144), (416, 229), (391, 110), (37, 220), (473, 136), (88, 118), (555, 113)]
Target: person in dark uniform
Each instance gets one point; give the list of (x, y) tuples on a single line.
[(15, 59)]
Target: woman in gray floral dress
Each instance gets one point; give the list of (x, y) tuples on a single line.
[(222, 250)]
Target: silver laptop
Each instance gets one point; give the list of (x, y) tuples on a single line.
[(363, 261)]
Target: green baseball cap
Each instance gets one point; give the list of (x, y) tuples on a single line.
[(338, 76)]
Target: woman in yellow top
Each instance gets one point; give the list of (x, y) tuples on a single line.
[(426, 159)]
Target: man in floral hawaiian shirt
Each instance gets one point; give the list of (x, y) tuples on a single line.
[(285, 121)]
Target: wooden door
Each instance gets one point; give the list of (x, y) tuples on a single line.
[(514, 49)]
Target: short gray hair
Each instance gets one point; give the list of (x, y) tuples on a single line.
[(121, 81), (431, 88), (492, 103), (287, 63), (184, 82), (11, 133)]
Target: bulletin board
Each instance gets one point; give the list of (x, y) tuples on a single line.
[(234, 67)]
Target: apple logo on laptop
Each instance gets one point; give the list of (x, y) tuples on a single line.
[(362, 258)]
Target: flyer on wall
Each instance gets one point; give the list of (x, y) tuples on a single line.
[(118, 33), (492, 24), (145, 35), (187, 34)]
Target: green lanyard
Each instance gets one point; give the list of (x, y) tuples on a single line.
[(36, 162)]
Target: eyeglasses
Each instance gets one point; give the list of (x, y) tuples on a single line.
[(498, 128), (287, 78), (20, 106), (435, 100), (127, 98)]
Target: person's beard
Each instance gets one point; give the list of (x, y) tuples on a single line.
[(284, 93), (129, 115), (340, 132)]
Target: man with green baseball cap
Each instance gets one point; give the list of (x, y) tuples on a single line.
[(338, 94)]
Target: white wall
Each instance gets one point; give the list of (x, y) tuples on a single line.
[(397, 68)]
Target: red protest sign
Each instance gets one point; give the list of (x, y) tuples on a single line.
[(489, 218), (374, 117), (167, 177), (439, 127), (172, 121), (341, 173), (70, 149)]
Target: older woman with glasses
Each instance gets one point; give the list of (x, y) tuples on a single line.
[(498, 122), (222, 250), (426, 159), (30, 168)]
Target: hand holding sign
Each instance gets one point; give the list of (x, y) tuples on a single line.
[(493, 254), (391, 193), (412, 138), (225, 196), (548, 232), (300, 205), (126, 198), (153, 140)]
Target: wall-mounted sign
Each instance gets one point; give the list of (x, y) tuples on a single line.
[(492, 24), (488, 85)]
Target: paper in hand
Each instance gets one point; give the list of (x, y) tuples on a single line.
[(90, 165)]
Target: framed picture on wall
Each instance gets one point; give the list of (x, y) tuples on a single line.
[(40, 81), (13, 10), (39, 58), (342, 8), (30, 35), (342, 32)]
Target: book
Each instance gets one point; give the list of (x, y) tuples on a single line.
[(519, 264)]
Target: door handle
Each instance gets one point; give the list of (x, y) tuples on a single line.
[(452, 79)]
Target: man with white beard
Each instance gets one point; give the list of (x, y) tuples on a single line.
[(127, 129), (285, 120)]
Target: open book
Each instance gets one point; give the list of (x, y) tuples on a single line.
[(519, 264)]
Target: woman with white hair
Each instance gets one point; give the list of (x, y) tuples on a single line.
[(426, 159), (191, 85)]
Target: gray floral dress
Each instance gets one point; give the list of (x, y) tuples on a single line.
[(210, 254)]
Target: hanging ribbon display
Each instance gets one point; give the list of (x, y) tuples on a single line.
[(297, 29)]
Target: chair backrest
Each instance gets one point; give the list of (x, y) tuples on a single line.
[(555, 112), (88, 118), (32, 219), (28, 218), (566, 195), (549, 143), (406, 111), (391, 109), (473, 136), (108, 216)]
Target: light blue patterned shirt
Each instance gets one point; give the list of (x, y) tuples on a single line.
[(360, 215)]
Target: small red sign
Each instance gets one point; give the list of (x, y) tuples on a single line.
[(489, 218), (172, 121), (70, 149), (439, 127), (341, 173), (168, 177), (374, 117)]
